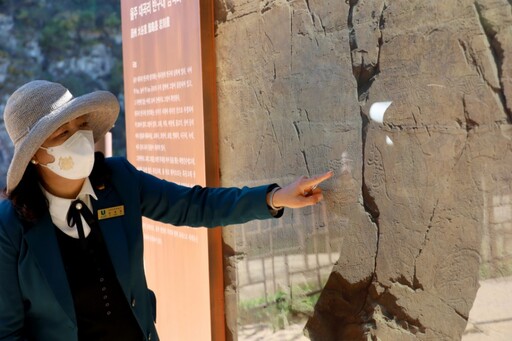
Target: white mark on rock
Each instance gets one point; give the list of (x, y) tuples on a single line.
[(378, 109)]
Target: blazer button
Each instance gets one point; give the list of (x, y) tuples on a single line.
[(149, 337), (133, 302)]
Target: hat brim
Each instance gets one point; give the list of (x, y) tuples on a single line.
[(103, 110)]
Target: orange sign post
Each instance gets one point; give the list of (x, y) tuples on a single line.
[(169, 78)]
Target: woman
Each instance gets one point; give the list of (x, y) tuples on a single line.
[(71, 246)]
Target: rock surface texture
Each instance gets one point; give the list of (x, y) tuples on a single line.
[(419, 199)]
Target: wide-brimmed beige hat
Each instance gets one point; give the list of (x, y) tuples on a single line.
[(37, 109)]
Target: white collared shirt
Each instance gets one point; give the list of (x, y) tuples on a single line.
[(59, 208)]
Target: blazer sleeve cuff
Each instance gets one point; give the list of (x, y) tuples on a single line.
[(276, 213)]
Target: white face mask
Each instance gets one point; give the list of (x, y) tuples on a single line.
[(74, 158)]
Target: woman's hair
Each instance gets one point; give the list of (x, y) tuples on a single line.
[(28, 198), (101, 173)]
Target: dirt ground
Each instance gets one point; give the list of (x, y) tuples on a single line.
[(491, 315), (490, 318)]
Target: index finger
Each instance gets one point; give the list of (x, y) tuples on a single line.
[(318, 179)]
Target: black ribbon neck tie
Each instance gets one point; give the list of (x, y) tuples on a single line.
[(79, 209)]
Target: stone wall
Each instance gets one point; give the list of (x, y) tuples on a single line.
[(419, 205)]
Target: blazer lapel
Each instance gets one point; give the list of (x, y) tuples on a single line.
[(115, 236), (42, 241)]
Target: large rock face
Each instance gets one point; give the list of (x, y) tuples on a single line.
[(413, 196)]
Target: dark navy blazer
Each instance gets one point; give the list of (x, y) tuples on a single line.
[(35, 298)]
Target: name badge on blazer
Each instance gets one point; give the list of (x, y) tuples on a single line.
[(110, 212)]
